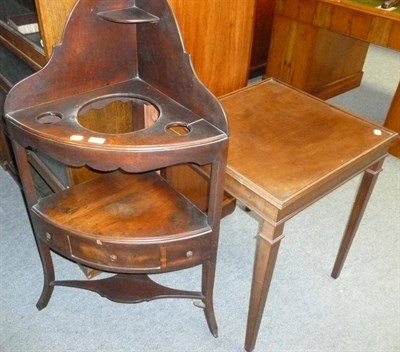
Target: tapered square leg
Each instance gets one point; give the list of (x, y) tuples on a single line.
[(364, 193), (267, 251)]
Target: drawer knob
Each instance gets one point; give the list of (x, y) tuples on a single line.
[(189, 254), (48, 236), (113, 257)]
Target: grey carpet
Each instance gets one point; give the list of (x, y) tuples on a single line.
[(307, 310)]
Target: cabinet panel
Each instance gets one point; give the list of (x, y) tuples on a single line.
[(218, 37)]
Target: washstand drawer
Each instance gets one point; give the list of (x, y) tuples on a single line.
[(137, 257), (115, 255), (187, 253)]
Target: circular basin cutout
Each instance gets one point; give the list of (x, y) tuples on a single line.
[(48, 118), (178, 128), (117, 115)]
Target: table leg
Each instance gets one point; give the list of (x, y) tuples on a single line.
[(266, 254), (364, 192)]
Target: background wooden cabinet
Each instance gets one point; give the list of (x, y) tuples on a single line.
[(263, 17), (320, 46)]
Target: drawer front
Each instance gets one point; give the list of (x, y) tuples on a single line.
[(53, 237), (187, 253), (115, 255), (126, 257), (145, 257)]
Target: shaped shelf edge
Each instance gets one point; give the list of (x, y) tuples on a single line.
[(128, 15)]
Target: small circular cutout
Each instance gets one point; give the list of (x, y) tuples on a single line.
[(49, 118), (178, 128)]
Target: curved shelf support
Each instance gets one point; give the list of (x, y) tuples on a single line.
[(133, 15), (129, 288)]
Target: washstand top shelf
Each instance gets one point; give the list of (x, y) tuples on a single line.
[(124, 51)]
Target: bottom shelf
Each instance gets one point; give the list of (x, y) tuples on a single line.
[(130, 288)]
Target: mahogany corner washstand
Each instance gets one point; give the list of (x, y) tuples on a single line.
[(129, 220), (288, 149)]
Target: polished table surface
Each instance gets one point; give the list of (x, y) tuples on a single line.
[(287, 150)]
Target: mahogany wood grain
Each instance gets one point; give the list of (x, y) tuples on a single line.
[(366, 186), (218, 38), (154, 113), (120, 228), (301, 149)]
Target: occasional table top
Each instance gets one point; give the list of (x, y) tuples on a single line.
[(286, 144)]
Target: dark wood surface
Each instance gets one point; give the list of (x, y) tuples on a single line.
[(221, 54), (301, 149), (218, 56), (123, 227), (129, 220)]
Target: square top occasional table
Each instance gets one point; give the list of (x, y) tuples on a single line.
[(287, 150)]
